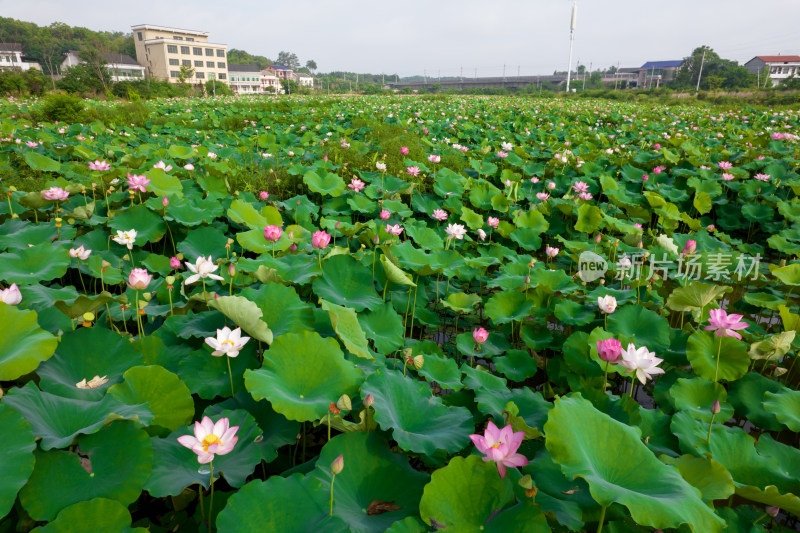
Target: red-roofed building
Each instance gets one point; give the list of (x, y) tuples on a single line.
[(779, 68)]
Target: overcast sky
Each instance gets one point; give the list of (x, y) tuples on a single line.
[(441, 36)]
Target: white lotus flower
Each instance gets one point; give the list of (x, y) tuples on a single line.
[(607, 303), (642, 361), (227, 342), (202, 268), (125, 238), (79, 253), (455, 231)]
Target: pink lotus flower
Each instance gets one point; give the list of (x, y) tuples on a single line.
[(320, 239), (609, 350), (188, 166), (440, 215), (543, 196), (174, 263), (762, 177), (273, 233), (501, 154), (645, 177), (585, 196), (385, 214), (580, 186), (607, 303), (493, 222), (99, 166), (211, 439), (727, 177), (11, 295), (138, 183), (264, 195), (689, 248), (414, 171), (551, 251), (31, 144), (551, 185), (455, 231), (725, 165), (356, 184), (724, 324), (79, 253), (164, 201), (163, 166), (395, 230), (480, 335), (659, 169), (212, 155), (500, 446), (55, 194), (434, 158), (404, 150), (139, 279)]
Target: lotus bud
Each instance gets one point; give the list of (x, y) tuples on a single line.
[(337, 465), (368, 400), (344, 403), (293, 247), (640, 245), (231, 270), (715, 408), (174, 263), (772, 510), (164, 201), (332, 409), (598, 238), (527, 280)]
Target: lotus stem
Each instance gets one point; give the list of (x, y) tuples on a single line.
[(716, 369), (205, 296), (211, 501), (230, 375), (169, 294), (138, 322), (710, 425), (329, 425), (633, 378), (602, 519), (202, 509), (333, 478), (605, 379)]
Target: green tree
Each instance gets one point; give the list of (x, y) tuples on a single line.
[(311, 65), (714, 67), (185, 73), (82, 78), (288, 59)]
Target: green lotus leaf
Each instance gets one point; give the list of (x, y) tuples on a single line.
[(175, 466), (84, 304), (345, 324), (590, 217), (702, 202), (461, 302), (551, 280), (293, 504), (165, 394), (764, 299), (33, 264), (443, 371), (163, 184), (41, 162), (191, 324), (463, 495), (420, 421), (23, 345), (326, 184), (90, 516), (790, 274), (207, 375), (702, 348), (533, 220), (697, 395), (425, 237), (586, 443), (113, 463), (495, 345), (181, 152), (84, 354), (282, 308), (203, 241), (409, 524), (516, 365), (384, 327), (395, 274), (193, 212), (17, 459), (695, 297), (507, 306), (633, 323), (17, 233), (711, 478), (747, 396), (149, 226), (345, 282), (574, 313), (59, 420), (244, 213), (773, 347), (371, 473), (785, 406), (302, 374), (473, 220), (245, 314)]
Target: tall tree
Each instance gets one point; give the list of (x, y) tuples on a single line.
[(311, 65), (288, 59)]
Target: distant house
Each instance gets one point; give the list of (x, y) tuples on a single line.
[(779, 67), (121, 67), (626, 77), (270, 83), (245, 79), (284, 73), (653, 73), (303, 79), (11, 57)]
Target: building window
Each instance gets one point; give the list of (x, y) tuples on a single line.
[(210, 52), (220, 64), (211, 75), (174, 62), (190, 39), (139, 34), (198, 63), (220, 53), (177, 37), (199, 75), (185, 50), (222, 75), (172, 48), (174, 73), (197, 51), (210, 64), (186, 62)]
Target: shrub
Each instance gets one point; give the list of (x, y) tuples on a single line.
[(62, 107)]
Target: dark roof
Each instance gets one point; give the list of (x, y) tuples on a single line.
[(663, 64), (279, 67), (778, 59), (243, 68), (11, 47), (119, 59), (628, 70)]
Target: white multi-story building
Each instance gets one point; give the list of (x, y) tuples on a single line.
[(245, 79), (778, 68), (163, 51), (121, 67), (304, 80), (11, 57)]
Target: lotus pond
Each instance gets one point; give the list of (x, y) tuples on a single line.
[(400, 314)]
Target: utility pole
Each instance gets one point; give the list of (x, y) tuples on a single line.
[(476, 73), (616, 76), (461, 75), (356, 82), (572, 23), (439, 75), (700, 74), (504, 72), (518, 72)]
